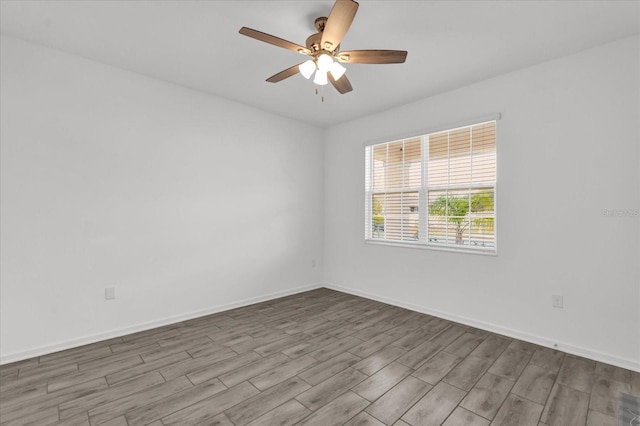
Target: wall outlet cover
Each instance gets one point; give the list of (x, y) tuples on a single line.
[(110, 293), (557, 301)]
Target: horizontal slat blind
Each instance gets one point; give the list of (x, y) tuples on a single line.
[(458, 185)]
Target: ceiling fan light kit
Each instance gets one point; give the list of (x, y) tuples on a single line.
[(307, 68), (323, 48), (321, 78), (337, 70), (325, 64)]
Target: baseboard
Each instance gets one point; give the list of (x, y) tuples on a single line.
[(531, 338), (516, 334), (85, 340)]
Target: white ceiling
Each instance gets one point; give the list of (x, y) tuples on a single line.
[(196, 44)]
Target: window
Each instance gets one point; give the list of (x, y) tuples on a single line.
[(434, 190)]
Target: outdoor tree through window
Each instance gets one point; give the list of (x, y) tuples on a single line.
[(435, 190)]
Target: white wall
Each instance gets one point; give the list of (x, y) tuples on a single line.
[(567, 149), (186, 203)]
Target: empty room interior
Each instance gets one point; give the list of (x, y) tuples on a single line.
[(320, 213)]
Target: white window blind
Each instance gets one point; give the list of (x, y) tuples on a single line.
[(435, 190)]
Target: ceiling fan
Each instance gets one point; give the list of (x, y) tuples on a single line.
[(323, 48)]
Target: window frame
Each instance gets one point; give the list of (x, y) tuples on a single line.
[(423, 191)]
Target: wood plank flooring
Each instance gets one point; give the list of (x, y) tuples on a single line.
[(315, 358)]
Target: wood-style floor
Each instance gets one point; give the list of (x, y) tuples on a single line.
[(315, 358)]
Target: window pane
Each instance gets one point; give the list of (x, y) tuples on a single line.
[(449, 218), (437, 221), (412, 163), (438, 164), (394, 166), (482, 218), (377, 207), (410, 216), (462, 217), (460, 156), (395, 216), (379, 160), (484, 153)]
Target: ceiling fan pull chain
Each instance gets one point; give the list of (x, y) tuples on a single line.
[(320, 91)]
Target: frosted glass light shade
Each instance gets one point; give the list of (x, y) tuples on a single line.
[(324, 62), (307, 68), (320, 78), (337, 70)]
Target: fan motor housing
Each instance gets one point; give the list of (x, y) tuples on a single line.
[(314, 40)]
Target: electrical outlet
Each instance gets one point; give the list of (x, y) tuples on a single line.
[(313, 263), (109, 293), (557, 301)]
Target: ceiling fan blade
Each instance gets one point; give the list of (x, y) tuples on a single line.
[(284, 74), (338, 23), (342, 85), (276, 41), (372, 56)]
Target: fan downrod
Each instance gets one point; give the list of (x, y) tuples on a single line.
[(319, 23)]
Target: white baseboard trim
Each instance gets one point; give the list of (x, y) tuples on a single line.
[(85, 340), (516, 334)]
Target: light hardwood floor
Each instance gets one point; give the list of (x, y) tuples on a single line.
[(315, 358)]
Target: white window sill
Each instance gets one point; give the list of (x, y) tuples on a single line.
[(406, 244)]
